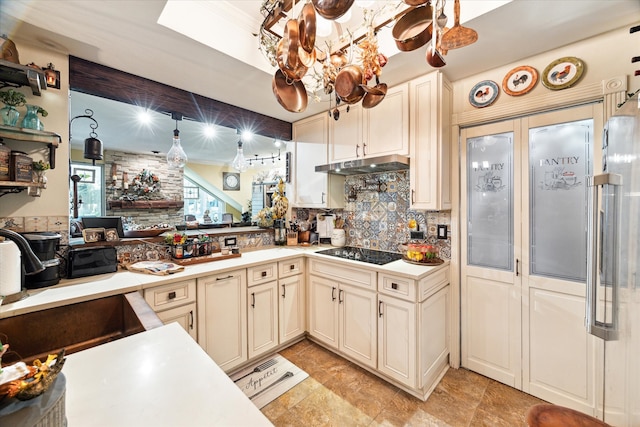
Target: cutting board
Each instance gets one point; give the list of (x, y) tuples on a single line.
[(325, 225)]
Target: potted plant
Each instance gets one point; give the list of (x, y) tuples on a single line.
[(11, 99)]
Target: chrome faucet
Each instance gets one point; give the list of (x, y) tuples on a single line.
[(30, 261)]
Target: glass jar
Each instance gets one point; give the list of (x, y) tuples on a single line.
[(9, 115), (31, 119)]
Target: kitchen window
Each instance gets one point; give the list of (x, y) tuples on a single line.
[(91, 193)]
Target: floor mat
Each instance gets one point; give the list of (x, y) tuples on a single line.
[(268, 379)]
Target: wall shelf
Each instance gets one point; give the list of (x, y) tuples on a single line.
[(13, 187), (145, 204), (21, 134), (16, 75)]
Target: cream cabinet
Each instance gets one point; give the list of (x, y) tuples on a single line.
[(291, 306), (222, 317), (175, 302), (262, 318), (342, 310), (313, 189), (413, 329), (377, 131), (430, 105)]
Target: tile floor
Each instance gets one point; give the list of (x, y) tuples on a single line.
[(339, 393)]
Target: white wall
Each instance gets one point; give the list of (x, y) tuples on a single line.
[(54, 200)]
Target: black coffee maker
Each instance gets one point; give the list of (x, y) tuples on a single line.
[(44, 245)]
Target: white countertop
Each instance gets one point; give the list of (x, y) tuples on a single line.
[(160, 377), (103, 285)]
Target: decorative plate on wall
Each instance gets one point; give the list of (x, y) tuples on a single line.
[(230, 181), (520, 80), (483, 94), (562, 73)]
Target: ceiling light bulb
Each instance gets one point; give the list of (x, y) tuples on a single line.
[(323, 26), (239, 162), (247, 135), (209, 131), (176, 157), (144, 117), (277, 143)]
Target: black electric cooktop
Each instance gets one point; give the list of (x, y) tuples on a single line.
[(361, 254)]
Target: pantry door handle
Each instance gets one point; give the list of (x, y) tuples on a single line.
[(340, 300), (333, 293), (517, 267), (379, 308), (284, 291), (191, 323), (253, 299)]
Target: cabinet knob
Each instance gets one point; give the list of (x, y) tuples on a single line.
[(292, 267), (171, 295), (263, 274), (394, 286)]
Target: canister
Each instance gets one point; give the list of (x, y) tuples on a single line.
[(21, 167), (5, 160)]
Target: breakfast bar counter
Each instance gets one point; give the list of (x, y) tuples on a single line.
[(160, 377)]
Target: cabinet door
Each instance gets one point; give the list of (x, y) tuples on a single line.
[(323, 310), (358, 336), (311, 150), (397, 339), (386, 127), (262, 313), (345, 135), (429, 136), (434, 336), (222, 317), (185, 316), (292, 307)]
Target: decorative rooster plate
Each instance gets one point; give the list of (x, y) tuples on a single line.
[(483, 94), (562, 73), (520, 80)]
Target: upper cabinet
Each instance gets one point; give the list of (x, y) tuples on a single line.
[(430, 102), (376, 131), (314, 189)]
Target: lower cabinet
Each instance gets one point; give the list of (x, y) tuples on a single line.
[(291, 307), (222, 317), (175, 302), (397, 339), (344, 317), (262, 313), (413, 329)]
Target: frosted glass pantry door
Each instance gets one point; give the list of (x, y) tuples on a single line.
[(490, 209)]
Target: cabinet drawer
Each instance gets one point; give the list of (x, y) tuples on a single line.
[(262, 274), (171, 295), (432, 283), (344, 274), (290, 267), (399, 287)]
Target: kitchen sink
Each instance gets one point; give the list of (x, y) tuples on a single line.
[(75, 327)]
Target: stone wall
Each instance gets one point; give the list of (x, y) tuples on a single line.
[(171, 186)]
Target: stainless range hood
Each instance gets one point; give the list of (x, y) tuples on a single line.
[(393, 162)]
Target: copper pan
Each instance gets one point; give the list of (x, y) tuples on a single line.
[(415, 2), (434, 58), (305, 58), (332, 9), (307, 27), (295, 73), (338, 59), (293, 97), (374, 95), (413, 30), (290, 43), (348, 82)]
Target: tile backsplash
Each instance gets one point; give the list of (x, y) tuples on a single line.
[(377, 212)]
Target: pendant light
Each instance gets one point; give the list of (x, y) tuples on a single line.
[(239, 162), (93, 149), (176, 157)]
